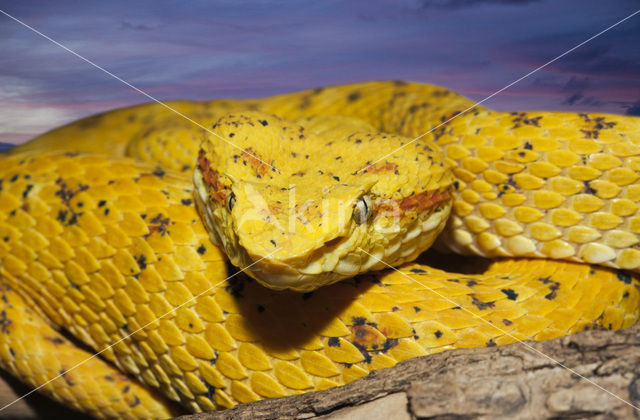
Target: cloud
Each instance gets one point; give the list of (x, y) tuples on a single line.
[(135, 27), (26, 121), (226, 49), (576, 84), (573, 99), (634, 109), (22, 119), (600, 60), (5, 146), (572, 91), (577, 88), (582, 100), (458, 4)]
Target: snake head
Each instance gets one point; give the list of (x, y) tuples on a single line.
[(298, 208)]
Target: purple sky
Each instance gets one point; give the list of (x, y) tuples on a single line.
[(203, 50)]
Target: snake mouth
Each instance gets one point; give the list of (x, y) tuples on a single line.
[(334, 242)]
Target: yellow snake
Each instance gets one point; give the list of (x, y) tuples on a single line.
[(304, 189)]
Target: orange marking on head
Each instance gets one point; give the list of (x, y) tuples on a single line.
[(218, 190), (424, 200), (378, 167), (255, 161), (419, 202)]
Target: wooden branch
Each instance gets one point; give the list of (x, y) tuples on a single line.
[(511, 381)]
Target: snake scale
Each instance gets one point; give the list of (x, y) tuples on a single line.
[(107, 244)]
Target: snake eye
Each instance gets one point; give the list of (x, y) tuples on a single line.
[(231, 201), (362, 210)]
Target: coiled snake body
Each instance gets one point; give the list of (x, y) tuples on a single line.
[(304, 189)]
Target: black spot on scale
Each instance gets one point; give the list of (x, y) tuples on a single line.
[(553, 287), (74, 218), (354, 96), (142, 261), (201, 250), (14, 178), (159, 172), (626, 294), (62, 215), (491, 343), (588, 189), (336, 178), (186, 201), (334, 342), (5, 322), (63, 373), (438, 333), (389, 343), (101, 203), (26, 191), (623, 277), (417, 270), (511, 294), (417, 309), (358, 320), (480, 304), (235, 287), (136, 401), (263, 122), (506, 322), (528, 146)]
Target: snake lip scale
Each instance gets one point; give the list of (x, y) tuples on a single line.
[(117, 228)]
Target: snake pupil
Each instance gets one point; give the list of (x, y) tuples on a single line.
[(362, 210), (231, 201)]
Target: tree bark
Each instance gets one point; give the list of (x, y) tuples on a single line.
[(592, 374)]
